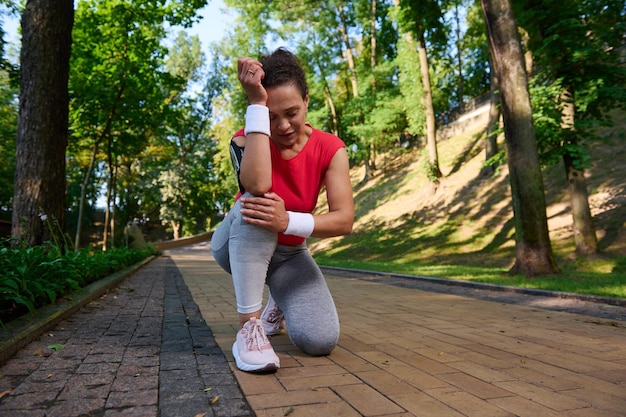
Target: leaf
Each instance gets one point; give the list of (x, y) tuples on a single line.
[(215, 399), (37, 352), (200, 415), (289, 411), (208, 389), (56, 347), (5, 393)]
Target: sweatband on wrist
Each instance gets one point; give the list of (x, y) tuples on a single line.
[(257, 119), (300, 224)]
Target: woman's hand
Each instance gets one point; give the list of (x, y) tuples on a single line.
[(250, 72), (267, 211)]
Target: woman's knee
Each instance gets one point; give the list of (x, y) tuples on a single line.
[(315, 344)]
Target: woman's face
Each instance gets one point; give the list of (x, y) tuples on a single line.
[(287, 114)]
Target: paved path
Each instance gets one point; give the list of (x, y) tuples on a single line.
[(159, 345)]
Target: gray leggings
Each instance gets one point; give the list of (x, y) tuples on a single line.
[(253, 257)]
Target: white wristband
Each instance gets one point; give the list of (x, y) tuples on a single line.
[(300, 224), (257, 119)]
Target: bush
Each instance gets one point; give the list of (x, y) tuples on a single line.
[(35, 276)]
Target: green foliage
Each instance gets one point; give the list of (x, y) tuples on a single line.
[(576, 51), (39, 275), (8, 134), (411, 87)]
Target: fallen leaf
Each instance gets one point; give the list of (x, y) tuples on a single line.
[(49, 376), (4, 393), (289, 411), (200, 415), (56, 347), (208, 389), (214, 400), (37, 352)]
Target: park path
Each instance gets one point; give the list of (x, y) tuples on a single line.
[(158, 344), (405, 352)]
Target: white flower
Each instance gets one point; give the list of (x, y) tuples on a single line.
[(43, 217)]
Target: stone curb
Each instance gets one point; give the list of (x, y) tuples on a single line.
[(20, 332), (614, 301), (175, 243)]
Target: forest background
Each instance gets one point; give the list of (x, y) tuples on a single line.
[(149, 121)]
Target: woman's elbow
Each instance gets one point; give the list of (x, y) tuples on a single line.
[(257, 188), (347, 225)]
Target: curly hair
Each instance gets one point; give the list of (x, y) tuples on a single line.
[(283, 68)]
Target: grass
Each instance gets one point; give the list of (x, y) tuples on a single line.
[(608, 284)]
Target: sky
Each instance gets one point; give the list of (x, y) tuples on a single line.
[(216, 21)]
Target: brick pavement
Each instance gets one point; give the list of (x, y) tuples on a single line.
[(144, 349), (409, 352), (140, 350)]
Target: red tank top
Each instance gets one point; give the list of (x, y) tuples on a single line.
[(299, 180)]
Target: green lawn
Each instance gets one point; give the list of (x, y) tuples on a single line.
[(604, 277)]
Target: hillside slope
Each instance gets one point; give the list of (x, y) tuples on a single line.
[(468, 219)]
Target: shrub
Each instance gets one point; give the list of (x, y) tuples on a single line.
[(35, 276)]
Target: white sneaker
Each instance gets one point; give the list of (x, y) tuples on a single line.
[(253, 351), (272, 318)]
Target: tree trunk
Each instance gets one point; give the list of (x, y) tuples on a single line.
[(43, 119), (491, 139), (175, 229), (83, 197), (104, 134), (107, 218), (431, 129), (373, 34), (533, 250), (584, 230), (333, 110), (343, 29), (459, 57)]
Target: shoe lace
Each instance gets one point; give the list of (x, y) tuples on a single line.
[(256, 337), (275, 314)]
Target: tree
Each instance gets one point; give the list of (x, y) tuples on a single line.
[(43, 118), (575, 50), (8, 123), (417, 18), (120, 89), (533, 250)]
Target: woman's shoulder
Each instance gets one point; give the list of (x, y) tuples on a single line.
[(326, 138)]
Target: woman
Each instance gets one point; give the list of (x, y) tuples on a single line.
[(263, 239)]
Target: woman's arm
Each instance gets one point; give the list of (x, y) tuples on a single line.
[(340, 216), (269, 212), (256, 165)]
